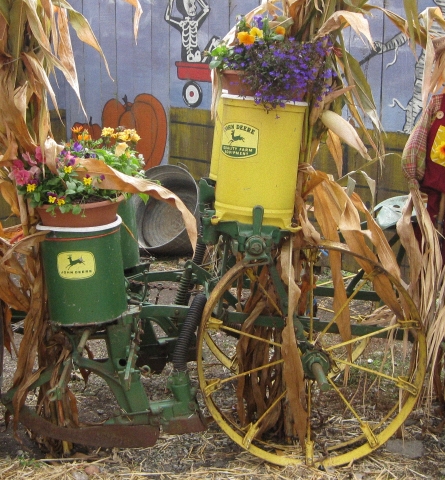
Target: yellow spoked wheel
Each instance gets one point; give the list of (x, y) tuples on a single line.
[(354, 401)]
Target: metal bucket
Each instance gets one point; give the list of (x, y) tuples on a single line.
[(84, 274), (161, 229)]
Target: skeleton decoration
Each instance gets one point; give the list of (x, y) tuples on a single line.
[(188, 26)]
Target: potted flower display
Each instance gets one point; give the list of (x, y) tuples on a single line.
[(63, 192), (265, 62)]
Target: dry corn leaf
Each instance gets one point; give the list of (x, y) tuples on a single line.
[(293, 368), (337, 21), (9, 194), (115, 180), (329, 203), (334, 145), (345, 131)]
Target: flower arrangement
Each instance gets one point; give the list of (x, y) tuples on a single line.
[(275, 66), (69, 186)]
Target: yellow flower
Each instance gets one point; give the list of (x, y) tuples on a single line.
[(123, 136), (280, 30), (52, 199), (77, 129), (60, 201), (132, 135), (438, 149), (120, 148), (87, 180), (245, 38), (107, 132), (30, 187), (68, 169), (256, 32)]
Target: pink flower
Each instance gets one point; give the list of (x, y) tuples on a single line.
[(35, 172), (38, 155), (21, 176), (17, 164), (33, 160), (28, 159)]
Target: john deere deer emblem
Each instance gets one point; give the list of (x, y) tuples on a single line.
[(74, 262), (76, 265), (239, 140), (235, 138)]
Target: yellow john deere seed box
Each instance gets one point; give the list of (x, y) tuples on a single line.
[(257, 160)]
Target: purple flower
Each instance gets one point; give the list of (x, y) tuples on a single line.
[(70, 160), (77, 147), (258, 20)]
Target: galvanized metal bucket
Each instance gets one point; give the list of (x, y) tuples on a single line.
[(161, 229)]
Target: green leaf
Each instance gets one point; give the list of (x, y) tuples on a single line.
[(144, 197), (215, 63), (76, 209), (65, 208), (363, 89), (4, 10)]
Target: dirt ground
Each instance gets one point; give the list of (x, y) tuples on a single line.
[(210, 454)]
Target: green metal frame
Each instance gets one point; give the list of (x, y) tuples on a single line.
[(134, 347)]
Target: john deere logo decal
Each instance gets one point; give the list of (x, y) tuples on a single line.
[(239, 140), (76, 265)]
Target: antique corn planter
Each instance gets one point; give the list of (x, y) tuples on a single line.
[(278, 370)]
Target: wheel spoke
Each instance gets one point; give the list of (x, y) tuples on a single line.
[(398, 381), (249, 335), (217, 384), (255, 427), (340, 311), (377, 332), (367, 430)]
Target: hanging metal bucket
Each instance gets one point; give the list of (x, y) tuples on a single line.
[(84, 274), (161, 229)]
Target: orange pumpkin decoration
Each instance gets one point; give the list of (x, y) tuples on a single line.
[(147, 116), (94, 129)]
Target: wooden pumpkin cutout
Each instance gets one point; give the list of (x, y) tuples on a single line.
[(147, 116)]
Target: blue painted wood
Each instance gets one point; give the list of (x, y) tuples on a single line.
[(92, 69), (108, 40), (150, 65)]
